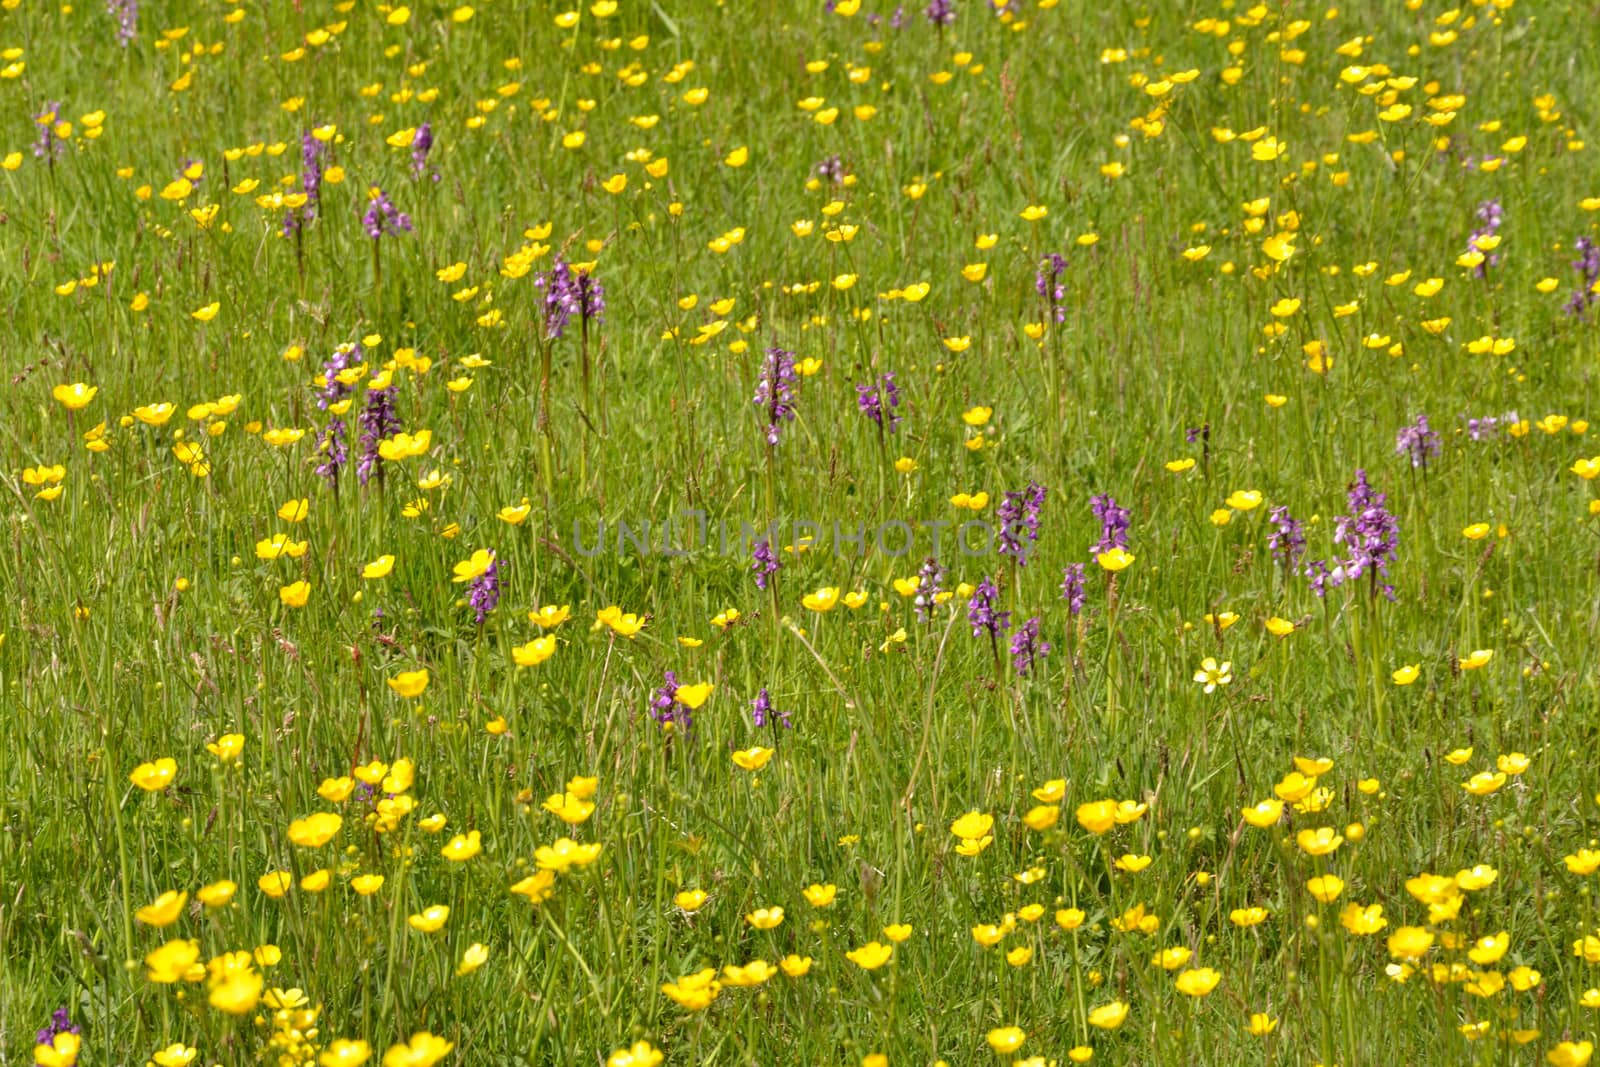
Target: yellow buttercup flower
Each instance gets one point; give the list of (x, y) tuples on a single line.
[(164, 910), (154, 776), (871, 956), (752, 759), (409, 684)]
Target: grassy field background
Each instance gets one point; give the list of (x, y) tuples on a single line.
[(1282, 234)]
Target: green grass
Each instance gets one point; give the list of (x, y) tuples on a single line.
[(140, 623)]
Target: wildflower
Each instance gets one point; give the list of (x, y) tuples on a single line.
[(591, 298), (1583, 862), (871, 956), (982, 613), (639, 1054), (561, 299), (972, 826), (752, 759), (423, 1050), (47, 144), (1098, 816), (1486, 237), (164, 911), (1362, 921), (383, 218), (1108, 1016), (1319, 842), (1212, 674), (156, 776), (940, 12), (314, 830), (345, 1053), (1571, 1054), (1418, 441), (930, 589), (1006, 1039), (60, 1023), (775, 391), (1197, 982), (1484, 783), (1287, 542), (378, 423), (1019, 521), (762, 711), (763, 562), (1325, 888), (1587, 265), (667, 709), (1410, 943), (126, 12), (1048, 283), (1113, 520), (693, 992), (74, 397), (409, 684), (1370, 533), (421, 145), (1072, 587), (880, 401), (60, 1051), (1027, 648), (484, 592)]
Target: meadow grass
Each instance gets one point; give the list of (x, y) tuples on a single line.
[(1307, 775)]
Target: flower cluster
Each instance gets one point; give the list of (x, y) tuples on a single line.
[(775, 391), (1369, 534), (382, 217)]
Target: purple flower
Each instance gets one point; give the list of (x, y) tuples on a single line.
[(333, 390), (930, 579), (591, 298), (1587, 265), (1072, 587), (334, 453), (1113, 523), (666, 710), (761, 711), (940, 12), (312, 154), (1369, 533), (1287, 542), (382, 217), (60, 1023), (1417, 440), (1489, 214), (46, 145), (983, 612), (561, 299), (880, 398), (775, 391), (378, 423), (1048, 283), (126, 12), (420, 145), (484, 592), (1027, 648), (763, 562), (1488, 427), (831, 170), (1019, 521)]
